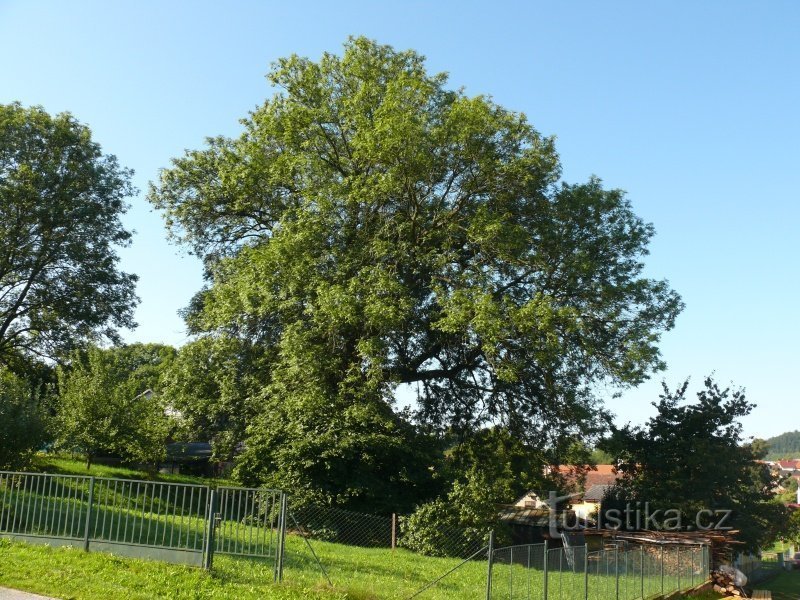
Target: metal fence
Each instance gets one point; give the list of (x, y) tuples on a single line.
[(622, 572), (189, 524), (175, 522)]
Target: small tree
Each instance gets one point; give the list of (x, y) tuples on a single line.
[(692, 457), (108, 405), (490, 469)]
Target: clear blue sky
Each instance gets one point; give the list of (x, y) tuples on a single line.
[(692, 107)]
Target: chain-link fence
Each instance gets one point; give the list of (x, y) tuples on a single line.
[(618, 572), (352, 548), (339, 526), (760, 568), (328, 524)]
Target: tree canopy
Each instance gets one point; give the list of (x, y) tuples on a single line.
[(214, 383), (60, 205), (691, 458), (379, 229)]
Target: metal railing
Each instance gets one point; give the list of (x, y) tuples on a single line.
[(535, 571), (176, 522), (248, 521)]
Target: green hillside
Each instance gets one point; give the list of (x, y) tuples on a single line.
[(785, 445)]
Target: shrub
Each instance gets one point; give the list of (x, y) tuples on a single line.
[(23, 421)]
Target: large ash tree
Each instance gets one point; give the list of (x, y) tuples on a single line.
[(373, 228)]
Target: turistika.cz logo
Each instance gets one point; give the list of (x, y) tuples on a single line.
[(636, 517)]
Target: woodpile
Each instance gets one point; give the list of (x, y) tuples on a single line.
[(723, 584), (720, 543)]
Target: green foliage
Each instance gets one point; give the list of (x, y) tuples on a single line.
[(791, 530), (23, 421), (600, 457), (360, 455), (429, 529), (489, 469), (60, 205), (692, 457), (212, 384), (376, 228), (109, 402), (445, 526)]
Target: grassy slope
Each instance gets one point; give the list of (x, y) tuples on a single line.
[(68, 466), (360, 572), (357, 573)]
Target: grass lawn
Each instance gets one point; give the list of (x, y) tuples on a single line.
[(69, 573), (779, 547), (360, 574), (786, 586)]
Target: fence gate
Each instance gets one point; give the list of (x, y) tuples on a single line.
[(174, 522), (249, 522)]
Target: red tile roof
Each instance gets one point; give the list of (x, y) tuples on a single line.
[(599, 475)]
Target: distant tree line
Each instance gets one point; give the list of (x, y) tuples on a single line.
[(785, 445)]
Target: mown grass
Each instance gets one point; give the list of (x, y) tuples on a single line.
[(73, 574), (65, 465), (357, 574), (785, 586)]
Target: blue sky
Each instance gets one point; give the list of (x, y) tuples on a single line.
[(693, 108)]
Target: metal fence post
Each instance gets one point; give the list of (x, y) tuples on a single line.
[(489, 564), (89, 503), (642, 568), (616, 570), (281, 551), (394, 531), (586, 572), (511, 573), (544, 572), (662, 569), (208, 547)]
